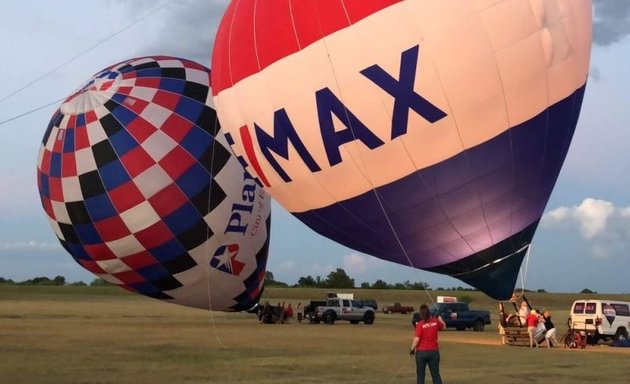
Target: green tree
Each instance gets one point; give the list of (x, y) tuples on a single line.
[(420, 285), (39, 280), (339, 279), (380, 284), (98, 282), (270, 281), (307, 281)]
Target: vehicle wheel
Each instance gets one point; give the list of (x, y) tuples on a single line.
[(478, 326), (329, 318), (621, 334), (389, 312), (368, 318)]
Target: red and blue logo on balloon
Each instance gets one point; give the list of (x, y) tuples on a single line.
[(224, 259)]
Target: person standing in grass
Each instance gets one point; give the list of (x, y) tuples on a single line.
[(550, 330), (425, 345)]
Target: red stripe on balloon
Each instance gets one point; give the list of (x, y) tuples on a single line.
[(248, 145), (255, 34)]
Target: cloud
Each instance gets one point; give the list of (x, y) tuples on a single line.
[(603, 227), (357, 263), (28, 246), (612, 21), (291, 270), (188, 30)]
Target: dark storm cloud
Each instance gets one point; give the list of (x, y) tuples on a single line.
[(188, 30), (612, 21)]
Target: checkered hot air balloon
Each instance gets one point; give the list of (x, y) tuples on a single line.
[(429, 133), (143, 191)]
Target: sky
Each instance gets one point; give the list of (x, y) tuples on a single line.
[(49, 49)]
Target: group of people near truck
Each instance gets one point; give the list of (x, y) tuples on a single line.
[(280, 314)]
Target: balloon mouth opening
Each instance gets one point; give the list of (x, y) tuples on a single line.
[(497, 278), (493, 271), (97, 91)]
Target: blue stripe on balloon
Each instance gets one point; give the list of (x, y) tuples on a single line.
[(44, 189), (153, 272), (193, 180), (76, 250), (113, 174), (149, 72), (55, 164), (189, 108), (100, 207), (169, 251), (196, 142), (175, 86), (182, 219), (68, 141), (122, 114), (87, 234), (146, 289), (122, 142), (80, 120), (456, 208)]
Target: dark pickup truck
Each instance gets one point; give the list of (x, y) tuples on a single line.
[(458, 316)]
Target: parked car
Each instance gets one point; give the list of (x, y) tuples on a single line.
[(601, 319), (398, 308)]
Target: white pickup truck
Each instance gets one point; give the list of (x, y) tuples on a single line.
[(344, 309)]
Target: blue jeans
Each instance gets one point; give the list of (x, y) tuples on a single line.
[(432, 358)]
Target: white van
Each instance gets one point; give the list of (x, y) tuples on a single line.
[(601, 319)]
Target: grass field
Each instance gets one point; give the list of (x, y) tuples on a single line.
[(105, 335)]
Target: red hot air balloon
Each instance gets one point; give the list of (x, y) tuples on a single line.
[(427, 133)]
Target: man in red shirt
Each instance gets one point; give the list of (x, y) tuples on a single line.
[(532, 324), (425, 345)]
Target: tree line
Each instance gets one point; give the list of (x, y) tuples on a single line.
[(340, 279), (335, 279), (55, 281)]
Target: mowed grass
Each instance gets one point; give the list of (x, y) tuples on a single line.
[(105, 335)]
